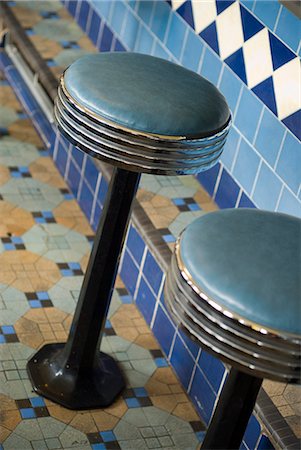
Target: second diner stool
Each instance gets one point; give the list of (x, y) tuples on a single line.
[(140, 114), (234, 287)]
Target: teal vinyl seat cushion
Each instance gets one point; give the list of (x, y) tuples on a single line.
[(147, 94), (249, 262)]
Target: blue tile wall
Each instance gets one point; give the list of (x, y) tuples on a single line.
[(182, 362)]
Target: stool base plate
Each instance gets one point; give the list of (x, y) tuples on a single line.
[(54, 379)]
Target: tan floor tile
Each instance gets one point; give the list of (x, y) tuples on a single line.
[(154, 387), (147, 341), (84, 422), (104, 421), (27, 17), (4, 432), (165, 402), (186, 412), (273, 387), (118, 408), (48, 49), (85, 43), (4, 175), (58, 412), (8, 98), (22, 130), (44, 170)]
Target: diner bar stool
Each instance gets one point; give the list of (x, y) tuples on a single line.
[(140, 114), (234, 287)]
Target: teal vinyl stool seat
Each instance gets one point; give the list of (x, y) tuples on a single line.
[(234, 286), (141, 114)]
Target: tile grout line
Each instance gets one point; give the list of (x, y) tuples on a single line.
[(157, 302)]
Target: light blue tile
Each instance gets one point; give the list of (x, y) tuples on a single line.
[(160, 19), (246, 166), (288, 29), (267, 12), (230, 86), (145, 9), (289, 204), (160, 51), (145, 42), (117, 16), (267, 189), (176, 35), (289, 164), (248, 114), (103, 7), (193, 51), (269, 137), (130, 30), (211, 66), (230, 148)]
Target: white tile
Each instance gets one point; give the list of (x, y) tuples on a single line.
[(177, 3), (229, 30), (258, 60), (204, 13), (287, 85)]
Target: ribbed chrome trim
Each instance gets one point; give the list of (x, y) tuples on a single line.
[(291, 337), (117, 126), (242, 344), (131, 151)]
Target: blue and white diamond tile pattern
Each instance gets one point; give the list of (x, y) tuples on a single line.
[(260, 59)]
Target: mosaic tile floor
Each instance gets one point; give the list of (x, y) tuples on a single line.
[(170, 202), (44, 245)]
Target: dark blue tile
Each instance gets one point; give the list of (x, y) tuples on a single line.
[(160, 19), (91, 173), (227, 191), (145, 301), (86, 200), (237, 63), (182, 362), (185, 11), (152, 272), (135, 244), (245, 202), (252, 432), (106, 39), (265, 91), (265, 444), (129, 273), (208, 178), (221, 5), (83, 14), (102, 192), (77, 156), (163, 330), (61, 159), (192, 345), (202, 395), (280, 53), (94, 27), (72, 4), (210, 36), (118, 46), (73, 178), (213, 368), (250, 25), (293, 123)]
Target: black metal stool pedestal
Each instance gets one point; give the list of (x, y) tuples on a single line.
[(122, 108), (76, 374), (234, 287)]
